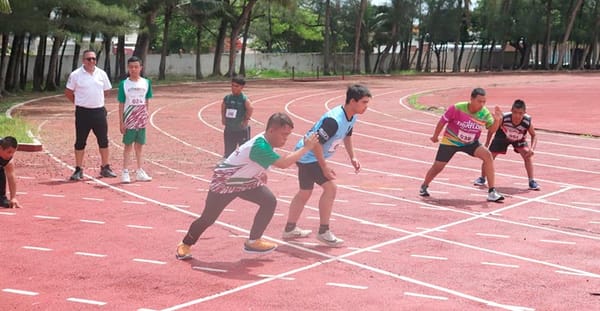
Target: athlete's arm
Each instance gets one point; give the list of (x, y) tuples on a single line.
[(497, 120), (438, 129), (11, 180), (223, 112), (285, 162), (531, 132), (249, 110), (350, 150)]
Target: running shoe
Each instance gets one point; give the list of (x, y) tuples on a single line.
[(480, 181), (297, 232), (125, 177), (259, 246), (183, 251), (533, 185), (329, 239), (4, 202), (77, 175), (423, 191), (142, 176), (494, 196), (105, 171)]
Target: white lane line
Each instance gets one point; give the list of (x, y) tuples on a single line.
[(239, 236), (19, 292), (138, 227), (369, 250), (347, 285), (432, 229), (429, 257), (8, 213), (438, 192), (543, 218), (317, 218), (340, 201), (93, 199), (167, 187), (86, 301), (570, 273), (25, 177), (181, 206), (382, 204), (209, 269), (388, 188), (90, 254), (435, 208), (304, 243), (229, 210), (35, 248), (286, 196), (585, 203), (46, 217), (499, 264), (134, 202), (181, 230), (53, 195), (595, 222), (425, 296), (558, 242), (156, 262), (493, 235), (21, 192), (276, 277), (278, 214), (87, 221)]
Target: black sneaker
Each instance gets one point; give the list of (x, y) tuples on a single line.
[(77, 175), (4, 202), (423, 191), (105, 171)]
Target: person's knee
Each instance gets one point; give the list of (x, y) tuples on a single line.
[(103, 143), (79, 145)]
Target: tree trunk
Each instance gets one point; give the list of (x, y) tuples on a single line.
[(244, 45), (3, 52), (60, 61), (198, 50), (546, 47), (146, 33), (219, 48), (357, 32), (327, 39), (38, 66), (76, 51), (120, 59), (235, 31), (108, 49), (563, 46), (165, 44), (51, 76), (11, 82)]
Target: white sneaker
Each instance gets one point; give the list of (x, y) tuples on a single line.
[(125, 177), (495, 196), (296, 233), (330, 239), (142, 176)]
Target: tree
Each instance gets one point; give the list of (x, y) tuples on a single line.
[(5, 7), (567, 33), (357, 33)]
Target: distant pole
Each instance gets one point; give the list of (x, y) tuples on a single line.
[(317, 72), (293, 72)]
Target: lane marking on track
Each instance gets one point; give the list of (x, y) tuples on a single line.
[(276, 277), (278, 214), (238, 236), (586, 203), (181, 205), (317, 218), (429, 257), (46, 217), (369, 251), (8, 213), (93, 199), (543, 218), (491, 235), (167, 187), (286, 196), (595, 222), (382, 204), (181, 230), (134, 202), (346, 285), (571, 273), (19, 292), (156, 262), (425, 296), (97, 222), (303, 243), (431, 229), (433, 208), (229, 210), (21, 192), (558, 242), (25, 177), (36, 248), (209, 269), (138, 227), (90, 254), (392, 189), (53, 195), (86, 301), (487, 263), (340, 201)]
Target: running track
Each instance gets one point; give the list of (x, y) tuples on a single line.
[(99, 244)]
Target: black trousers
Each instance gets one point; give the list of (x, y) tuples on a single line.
[(216, 203), (233, 139), (87, 120)]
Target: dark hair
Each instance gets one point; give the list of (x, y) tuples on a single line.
[(356, 92), (519, 104), (477, 92), (8, 142), (279, 119), (88, 51), (134, 59), (238, 80)]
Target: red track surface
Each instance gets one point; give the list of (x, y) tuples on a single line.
[(101, 244)]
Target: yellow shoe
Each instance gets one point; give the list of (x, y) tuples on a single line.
[(259, 246), (183, 251)]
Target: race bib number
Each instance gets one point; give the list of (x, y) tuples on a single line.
[(334, 145), (513, 134), (230, 113), (466, 137)]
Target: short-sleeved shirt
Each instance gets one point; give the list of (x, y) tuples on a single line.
[(134, 95), (89, 87), (331, 130), (244, 168), (463, 127), (511, 132), (235, 111)]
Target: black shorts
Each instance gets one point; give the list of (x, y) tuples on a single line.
[(446, 152), (501, 145), (310, 174)]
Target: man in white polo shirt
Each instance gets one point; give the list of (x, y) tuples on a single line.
[(86, 88)]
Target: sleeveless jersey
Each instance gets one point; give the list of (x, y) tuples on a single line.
[(512, 132), (235, 111)]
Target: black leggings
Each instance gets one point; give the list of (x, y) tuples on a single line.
[(235, 138), (2, 182), (216, 203), (87, 119)]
